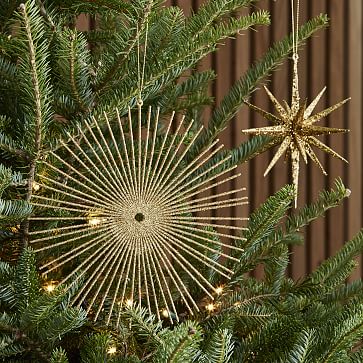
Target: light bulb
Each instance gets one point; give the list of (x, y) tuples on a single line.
[(165, 313), (49, 287), (35, 186), (219, 290), (129, 303), (94, 221), (112, 350), (210, 307)]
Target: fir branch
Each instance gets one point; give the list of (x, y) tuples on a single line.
[(32, 23), (9, 146), (182, 55), (26, 280), (325, 201), (11, 211), (357, 356), (209, 13), (299, 353), (43, 12), (80, 6), (125, 54), (190, 53), (62, 322), (183, 343), (261, 225), (219, 348), (143, 324), (249, 149), (346, 292), (59, 356), (349, 332), (72, 80), (179, 345), (328, 270), (7, 72), (73, 95), (275, 267), (37, 94), (95, 347)]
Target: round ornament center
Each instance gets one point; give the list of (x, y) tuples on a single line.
[(139, 217)]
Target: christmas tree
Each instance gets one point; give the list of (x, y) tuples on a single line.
[(112, 247)]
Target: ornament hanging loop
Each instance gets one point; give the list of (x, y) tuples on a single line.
[(139, 101)]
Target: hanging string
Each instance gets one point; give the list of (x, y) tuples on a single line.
[(144, 60), (295, 28), (297, 25), (295, 102), (141, 72), (138, 63)]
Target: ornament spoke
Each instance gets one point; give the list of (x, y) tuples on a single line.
[(95, 276), (165, 283), (198, 255), (172, 272), (282, 149), (314, 141), (119, 259), (313, 104)]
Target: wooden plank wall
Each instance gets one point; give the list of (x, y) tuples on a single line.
[(333, 58)]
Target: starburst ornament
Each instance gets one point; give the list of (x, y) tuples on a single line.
[(294, 126), (131, 223), (295, 131)]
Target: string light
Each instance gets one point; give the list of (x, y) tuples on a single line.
[(35, 186), (219, 290), (94, 221), (50, 286), (210, 307), (129, 303), (165, 313), (14, 229), (112, 350)]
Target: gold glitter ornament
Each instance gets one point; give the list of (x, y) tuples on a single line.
[(128, 228), (294, 126)]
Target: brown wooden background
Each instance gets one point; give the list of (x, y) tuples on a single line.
[(332, 58)]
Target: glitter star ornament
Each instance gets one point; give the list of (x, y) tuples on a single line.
[(294, 126), (295, 131), (130, 221)]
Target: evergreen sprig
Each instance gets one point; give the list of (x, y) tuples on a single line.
[(261, 226), (32, 322)]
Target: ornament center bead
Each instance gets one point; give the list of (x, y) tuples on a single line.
[(139, 217)]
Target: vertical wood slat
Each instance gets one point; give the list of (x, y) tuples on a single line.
[(354, 118), (336, 219), (315, 234), (334, 58)]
